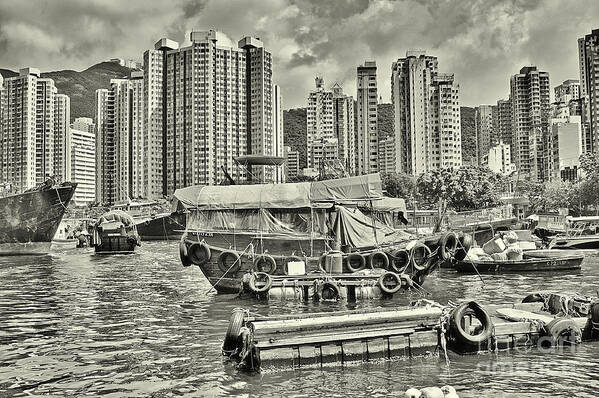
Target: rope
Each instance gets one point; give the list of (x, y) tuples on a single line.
[(234, 262), (472, 263)]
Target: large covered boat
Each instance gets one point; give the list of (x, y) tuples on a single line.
[(115, 233), (165, 226), (297, 229), (28, 221)]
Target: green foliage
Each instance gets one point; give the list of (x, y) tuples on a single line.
[(385, 120), (589, 184), (466, 188), (300, 178), (399, 185), (294, 132), (467, 115)]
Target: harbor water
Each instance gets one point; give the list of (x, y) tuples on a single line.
[(76, 324)]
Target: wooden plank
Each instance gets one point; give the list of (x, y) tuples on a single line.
[(333, 338), (520, 315)]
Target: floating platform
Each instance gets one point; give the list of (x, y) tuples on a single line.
[(317, 339)]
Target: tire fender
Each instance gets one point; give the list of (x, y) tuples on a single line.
[(465, 243), (379, 257), (235, 323), (265, 260), (355, 262), (394, 288), (199, 253), (448, 244), (254, 278), (183, 254), (229, 269), (463, 338)]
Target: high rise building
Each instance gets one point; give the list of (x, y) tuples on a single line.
[(292, 162), (18, 130), (44, 129), (154, 121), (367, 139), (119, 160), (330, 128), (486, 137), (219, 106), (588, 55), (278, 136), (504, 122), (62, 137), (427, 115), (83, 161), (565, 147), (499, 159), (529, 91), (567, 91)]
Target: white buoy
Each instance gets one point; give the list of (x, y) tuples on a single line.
[(432, 392), (413, 393), (449, 392)]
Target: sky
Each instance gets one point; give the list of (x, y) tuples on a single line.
[(483, 42)]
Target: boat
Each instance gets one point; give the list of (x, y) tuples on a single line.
[(29, 220), (115, 233), (311, 228), (165, 226), (532, 261)]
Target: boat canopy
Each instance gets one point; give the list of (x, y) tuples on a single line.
[(316, 194), (116, 216)]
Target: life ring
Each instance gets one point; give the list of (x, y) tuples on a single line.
[(390, 282), (559, 331), (378, 259), (400, 260), (465, 243), (329, 291), (420, 253), (235, 323), (463, 339), (265, 263), (355, 262), (183, 254), (229, 262), (259, 276), (448, 245), (199, 253), (290, 259)]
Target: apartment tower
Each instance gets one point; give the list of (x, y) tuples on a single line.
[(529, 91), (367, 139), (588, 54)]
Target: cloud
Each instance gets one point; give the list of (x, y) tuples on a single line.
[(482, 41)]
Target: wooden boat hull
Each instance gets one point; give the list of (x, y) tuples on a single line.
[(531, 264), (576, 243), (164, 227), (116, 245), (286, 250), (29, 221), (64, 244)]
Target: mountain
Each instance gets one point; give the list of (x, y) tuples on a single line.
[(468, 135), (295, 130), (81, 86)]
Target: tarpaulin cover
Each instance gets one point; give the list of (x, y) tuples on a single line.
[(263, 220), (116, 216), (360, 231), (279, 196), (384, 204)]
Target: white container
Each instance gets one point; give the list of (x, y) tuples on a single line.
[(495, 245), (296, 268)]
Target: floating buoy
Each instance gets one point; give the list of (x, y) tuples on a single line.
[(431, 392), (412, 393)]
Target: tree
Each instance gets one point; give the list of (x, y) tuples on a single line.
[(465, 188), (398, 185)]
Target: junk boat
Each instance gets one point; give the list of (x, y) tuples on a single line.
[(248, 236), (115, 233), (28, 221), (166, 226), (544, 320)]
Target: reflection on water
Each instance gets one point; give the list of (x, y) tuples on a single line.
[(137, 325)]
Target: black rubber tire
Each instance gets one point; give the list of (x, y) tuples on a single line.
[(594, 319), (385, 288), (199, 253), (448, 244), (562, 330), (351, 264), (183, 254), (235, 324), (378, 259), (224, 266), (400, 260), (288, 260), (463, 248), (264, 288), (420, 254), (268, 260), (328, 285), (464, 340)]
